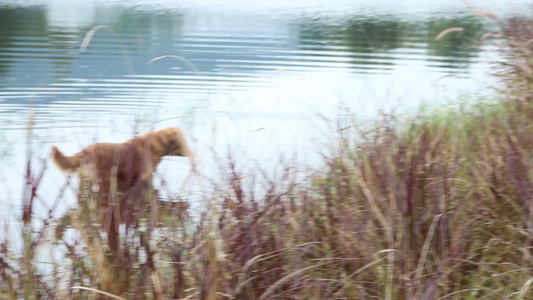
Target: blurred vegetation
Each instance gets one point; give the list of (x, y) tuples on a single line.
[(438, 206)]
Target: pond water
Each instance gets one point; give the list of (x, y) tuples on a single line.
[(260, 79)]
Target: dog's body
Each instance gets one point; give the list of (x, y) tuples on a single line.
[(119, 175), (133, 160)]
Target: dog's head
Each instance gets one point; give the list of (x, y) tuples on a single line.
[(171, 141)]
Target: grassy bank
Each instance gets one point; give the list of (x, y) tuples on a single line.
[(438, 206)]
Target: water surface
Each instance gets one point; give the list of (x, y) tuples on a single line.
[(258, 79)]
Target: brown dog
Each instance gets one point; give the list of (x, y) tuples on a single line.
[(119, 175), (135, 159)]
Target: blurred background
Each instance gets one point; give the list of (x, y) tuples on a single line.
[(269, 84), (261, 78)]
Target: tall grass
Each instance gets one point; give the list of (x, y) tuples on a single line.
[(432, 207)]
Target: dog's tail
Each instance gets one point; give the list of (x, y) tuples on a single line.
[(65, 163)]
